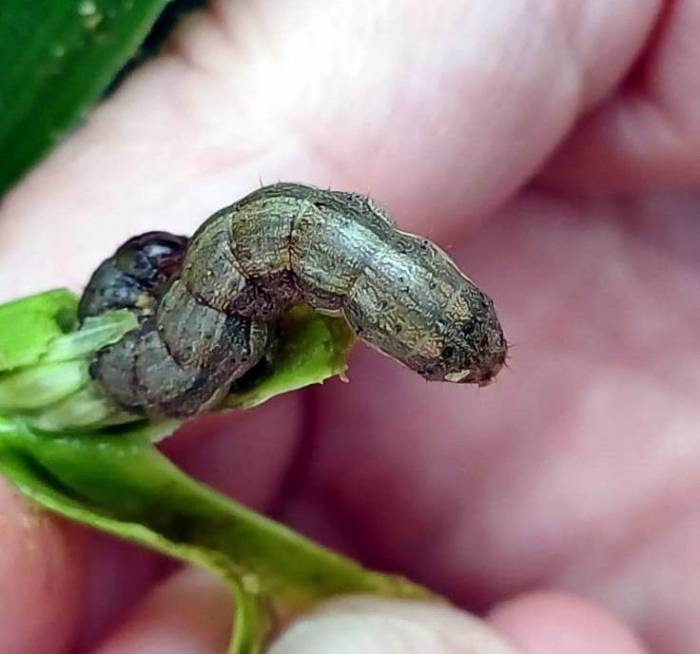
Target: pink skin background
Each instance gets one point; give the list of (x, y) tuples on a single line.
[(554, 149)]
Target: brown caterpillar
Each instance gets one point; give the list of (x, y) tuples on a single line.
[(204, 307)]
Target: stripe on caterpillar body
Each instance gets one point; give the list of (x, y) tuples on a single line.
[(337, 252)]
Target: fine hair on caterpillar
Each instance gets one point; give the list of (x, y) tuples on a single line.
[(205, 306)]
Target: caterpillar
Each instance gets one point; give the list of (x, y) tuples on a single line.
[(205, 306)]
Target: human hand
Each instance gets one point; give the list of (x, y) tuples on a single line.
[(531, 140)]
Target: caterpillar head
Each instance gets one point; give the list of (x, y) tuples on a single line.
[(472, 349), (151, 258), (134, 274)]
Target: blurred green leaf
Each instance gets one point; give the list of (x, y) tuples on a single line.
[(44, 362), (29, 325), (57, 56)]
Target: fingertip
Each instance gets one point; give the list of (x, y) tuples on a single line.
[(557, 623), (382, 626)]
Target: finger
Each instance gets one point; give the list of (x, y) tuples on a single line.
[(382, 626), (555, 623), (440, 112), (40, 577), (190, 613), (649, 133), (538, 624)]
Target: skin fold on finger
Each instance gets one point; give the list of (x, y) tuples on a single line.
[(190, 613), (549, 622), (40, 577), (441, 112), (648, 134)]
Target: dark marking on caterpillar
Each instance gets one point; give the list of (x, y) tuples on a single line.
[(205, 306), (135, 276)]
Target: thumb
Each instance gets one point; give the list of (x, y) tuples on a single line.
[(380, 626), (537, 623)]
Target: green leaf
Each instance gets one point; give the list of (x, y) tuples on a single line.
[(29, 325), (44, 374), (35, 386), (94, 333), (119, 483), (310, 349), (58, 55)]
